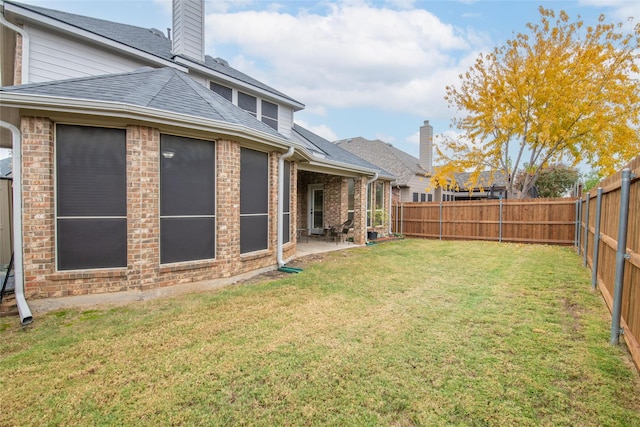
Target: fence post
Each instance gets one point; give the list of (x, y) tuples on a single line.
[(586, 229), (500, 224), (596, 241), (402, 219), (440, 219), (621, 255), (579, 225), (575, 234)]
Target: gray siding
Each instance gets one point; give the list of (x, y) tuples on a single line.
[(188, 28), (57, 57)]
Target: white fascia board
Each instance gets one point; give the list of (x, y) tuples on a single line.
[(224, 77), (134, 112), (53, 23)]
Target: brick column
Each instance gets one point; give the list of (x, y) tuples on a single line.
[(143, 198), (228, 205), (360, 210), (38, 214)]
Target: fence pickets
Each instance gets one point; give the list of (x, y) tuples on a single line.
[(553, 221), (549, 221)]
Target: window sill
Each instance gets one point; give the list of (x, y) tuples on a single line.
[(88, 274), (188, 265)]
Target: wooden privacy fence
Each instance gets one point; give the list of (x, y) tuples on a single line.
[(551, 221), (614, 262)]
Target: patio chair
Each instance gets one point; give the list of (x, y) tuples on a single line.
[(339, 232)]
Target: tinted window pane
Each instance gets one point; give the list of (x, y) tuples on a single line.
[(254, 233), (92, 243), (91, 171), (254, 182), (186, 239), (187, 176), (269, 110), (286, 228), (223, 91), (248, 103), (287, 187)]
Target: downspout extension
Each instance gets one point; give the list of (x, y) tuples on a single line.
[(375, 177), (281, 204), (25, 48), (23, 308)]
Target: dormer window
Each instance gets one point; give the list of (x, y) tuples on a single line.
[(270, 114), (223, 91), (248, 103)]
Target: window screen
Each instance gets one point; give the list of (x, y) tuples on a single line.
[(254, 200), (351, 186), (248, 103), (223, 91), (415, 197), (187, 199), (423, 197), (91, 197), (270, 114)]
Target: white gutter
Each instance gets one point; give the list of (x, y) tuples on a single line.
[(25, 48), (375, 177), (281, 204), (23, 309)]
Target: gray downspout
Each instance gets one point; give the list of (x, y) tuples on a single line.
[(281, 203), (25, 48), (23, 309), (375, 177)]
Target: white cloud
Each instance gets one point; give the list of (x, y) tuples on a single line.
[(354, 55)]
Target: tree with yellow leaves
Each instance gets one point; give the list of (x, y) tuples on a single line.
[(564, 92)]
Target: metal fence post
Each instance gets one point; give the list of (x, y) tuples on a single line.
[(579, 225), (596, 241), (586, 229), (621, 255), (500, 224)]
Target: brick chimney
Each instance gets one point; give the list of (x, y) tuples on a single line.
[(188, 29), (426, 146)]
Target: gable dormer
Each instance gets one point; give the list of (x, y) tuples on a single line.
[(188, 29)]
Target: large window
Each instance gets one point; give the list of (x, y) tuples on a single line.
[(187, 199), (91, 197), (221, 90), (369, 204), (248, 103), (254, 200), (270, 114), (379, 214)]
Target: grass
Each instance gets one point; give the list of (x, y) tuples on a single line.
[(403, 333)]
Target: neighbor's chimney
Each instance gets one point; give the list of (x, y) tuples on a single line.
[(188, 28), (426, 146)]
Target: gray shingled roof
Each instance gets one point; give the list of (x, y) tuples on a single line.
[(403, 165), (164, 89), (147, 40), (335, 153)]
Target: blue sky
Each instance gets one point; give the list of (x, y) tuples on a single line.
[(375, 69)]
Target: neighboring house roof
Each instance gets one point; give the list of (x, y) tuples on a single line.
[(327, 149), (163, 89), (6, 167), (400, 164), (484, 180), (150, 41)]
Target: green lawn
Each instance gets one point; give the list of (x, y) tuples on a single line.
[(414, 332)]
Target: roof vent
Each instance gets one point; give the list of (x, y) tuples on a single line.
[(157, 32), (222, 62)]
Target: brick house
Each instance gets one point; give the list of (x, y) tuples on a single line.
[(140, 162)]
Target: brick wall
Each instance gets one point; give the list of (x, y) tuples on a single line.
[(143, 269)]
